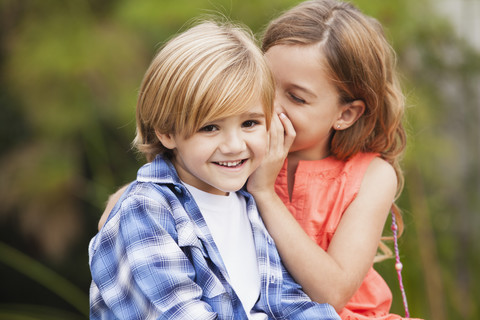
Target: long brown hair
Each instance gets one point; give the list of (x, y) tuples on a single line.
[(361, 65)]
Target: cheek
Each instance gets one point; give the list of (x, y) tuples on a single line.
[(259, 144), (293, 112), (295, 118), (196, 152)]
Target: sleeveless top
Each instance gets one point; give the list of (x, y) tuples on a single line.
[(323, 189)]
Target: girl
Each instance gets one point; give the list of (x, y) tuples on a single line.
[(326, 209)]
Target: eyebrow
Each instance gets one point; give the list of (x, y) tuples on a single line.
[(303, 89)]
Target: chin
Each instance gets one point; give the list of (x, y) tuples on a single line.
[(232, 188)]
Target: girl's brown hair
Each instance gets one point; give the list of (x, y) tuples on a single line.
[(361, 65)]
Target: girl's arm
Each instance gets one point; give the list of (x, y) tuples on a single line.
[(331, 276), (112, 201)]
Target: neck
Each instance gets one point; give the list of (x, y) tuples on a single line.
[(292, 165), (293, 159), (309, 154)]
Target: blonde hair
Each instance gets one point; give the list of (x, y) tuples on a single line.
[(211, 71), (361, 65)]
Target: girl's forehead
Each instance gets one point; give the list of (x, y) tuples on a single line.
[(304, 65)]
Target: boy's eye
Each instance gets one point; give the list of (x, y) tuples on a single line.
[(296, 99), (209, 128), (249, 123)]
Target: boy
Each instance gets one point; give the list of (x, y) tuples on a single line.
[(181, 243)]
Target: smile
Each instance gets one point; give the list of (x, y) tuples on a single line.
[(230, 164)]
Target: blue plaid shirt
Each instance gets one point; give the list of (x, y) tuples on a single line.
[(156, 259)]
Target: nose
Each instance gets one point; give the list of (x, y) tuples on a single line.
[(233, 142), (278, 109)]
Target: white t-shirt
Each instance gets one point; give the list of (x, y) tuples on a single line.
[(226, 218)]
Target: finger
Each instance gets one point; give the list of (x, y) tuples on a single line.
[(276, 133), (289, 131)]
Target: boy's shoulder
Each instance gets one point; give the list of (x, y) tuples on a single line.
[(144, 194), (160, 171), (143, 201), (157, 183)]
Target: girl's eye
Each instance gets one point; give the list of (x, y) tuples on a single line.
[(209, 128), (249, 123), (296, 99)]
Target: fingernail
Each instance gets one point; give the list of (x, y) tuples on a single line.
[(282, 115)]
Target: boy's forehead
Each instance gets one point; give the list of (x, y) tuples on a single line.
[(255, 108)]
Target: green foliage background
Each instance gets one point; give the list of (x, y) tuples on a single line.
[(69, 74)]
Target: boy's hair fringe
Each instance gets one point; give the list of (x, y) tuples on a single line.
[(210, 71)]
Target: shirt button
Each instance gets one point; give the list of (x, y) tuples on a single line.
[(272, 279), (177, 189)]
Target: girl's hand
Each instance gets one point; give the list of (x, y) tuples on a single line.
[(281, 136), (112, 201)]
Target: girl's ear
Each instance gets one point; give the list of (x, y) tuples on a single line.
[(350, 113), (167, 140)]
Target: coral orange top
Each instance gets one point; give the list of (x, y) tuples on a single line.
[(322, 192)]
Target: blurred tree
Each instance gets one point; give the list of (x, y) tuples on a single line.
[(69, 74), (441, 77)]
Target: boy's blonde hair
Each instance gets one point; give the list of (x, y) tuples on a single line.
[(360, 63), (211, 71)]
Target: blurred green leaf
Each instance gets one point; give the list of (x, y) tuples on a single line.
[(69, 76), (33, 312), (45, 276)]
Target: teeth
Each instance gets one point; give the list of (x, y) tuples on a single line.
[(229, 164)]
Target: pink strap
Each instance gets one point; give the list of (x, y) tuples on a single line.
[(399, 265)]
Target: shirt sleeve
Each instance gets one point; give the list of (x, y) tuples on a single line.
[(296, 305), (139, 268)]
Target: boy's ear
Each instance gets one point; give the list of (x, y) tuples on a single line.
[(350, 113), (167, 140)]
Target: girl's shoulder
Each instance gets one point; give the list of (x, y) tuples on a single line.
[(380, 172), (350, 171), (361, 159), (358, 164), (358, 167)]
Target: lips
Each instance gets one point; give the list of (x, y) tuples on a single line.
[(230, 164)]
